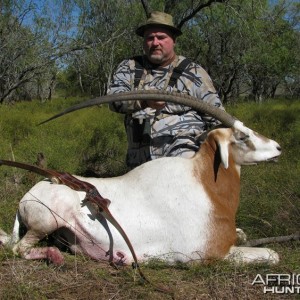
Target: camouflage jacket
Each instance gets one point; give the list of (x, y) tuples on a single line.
[(171, 131)]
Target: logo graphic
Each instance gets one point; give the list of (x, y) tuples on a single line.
[(279, 283)]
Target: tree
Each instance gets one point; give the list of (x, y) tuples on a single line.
[(244, 47), (33, 38), (270, 56), (105, 26), (106, 30), (292, 78)]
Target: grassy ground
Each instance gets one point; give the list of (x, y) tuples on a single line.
[(81, 278), (93, 141)]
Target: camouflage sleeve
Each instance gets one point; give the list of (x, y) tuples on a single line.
[(203, 87), (196, 82), (207, 93), (122, 82)]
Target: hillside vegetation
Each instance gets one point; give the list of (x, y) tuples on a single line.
[(93, 142)]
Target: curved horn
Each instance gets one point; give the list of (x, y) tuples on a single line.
[(155, 95)]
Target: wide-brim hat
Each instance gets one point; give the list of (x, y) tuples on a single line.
[(159, 19)]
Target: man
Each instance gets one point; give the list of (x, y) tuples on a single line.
[(157, 129)]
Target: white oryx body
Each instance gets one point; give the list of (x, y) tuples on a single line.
[(170, 208)]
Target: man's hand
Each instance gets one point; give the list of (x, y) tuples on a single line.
[(156, 104)]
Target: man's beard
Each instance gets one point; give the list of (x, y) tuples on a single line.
[(156, 58)]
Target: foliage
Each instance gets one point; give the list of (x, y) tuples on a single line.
[(28, 54), (104, 26), (76, 45), (246, 49), (272, 53)]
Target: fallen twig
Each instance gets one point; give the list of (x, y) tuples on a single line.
[(274, 239)]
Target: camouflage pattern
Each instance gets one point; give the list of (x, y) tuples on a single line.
[(173, 130)]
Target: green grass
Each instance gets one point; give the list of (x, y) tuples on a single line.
[(67, 141), (270, 193), (91, 141)]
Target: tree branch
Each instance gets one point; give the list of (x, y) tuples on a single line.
[(196, 10), (275, 239), (170, 5), (146, 8)]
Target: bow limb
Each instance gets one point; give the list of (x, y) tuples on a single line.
[(51, 174), (107, 214)]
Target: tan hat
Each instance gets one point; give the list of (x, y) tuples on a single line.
[(158, 19)]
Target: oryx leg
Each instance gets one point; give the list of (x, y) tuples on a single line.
[(25, 248), (252, 255)]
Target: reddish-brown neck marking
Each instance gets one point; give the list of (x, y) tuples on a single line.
[(223, 188)]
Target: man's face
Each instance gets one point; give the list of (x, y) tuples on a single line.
[(159, 46)]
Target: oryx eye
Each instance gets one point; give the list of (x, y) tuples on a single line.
[(241, 136), (244, 137)]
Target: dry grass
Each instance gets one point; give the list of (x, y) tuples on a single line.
[(82, 278)]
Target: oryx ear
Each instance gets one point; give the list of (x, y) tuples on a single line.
[(224, 153)]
